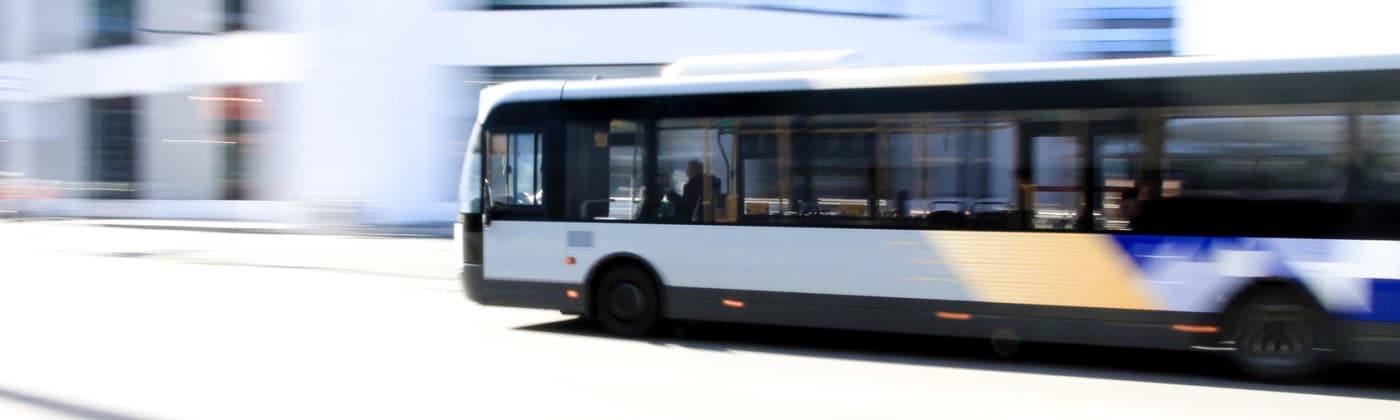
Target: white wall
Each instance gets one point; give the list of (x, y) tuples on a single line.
[(64, 27), (367, 98), (1289, 27), (171, 65), (277, 161), (11, 28), (178, 15), (662, 35), (178, 156), (59, 141), (376, 111)]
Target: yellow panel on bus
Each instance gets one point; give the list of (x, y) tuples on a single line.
[(1042, 268)]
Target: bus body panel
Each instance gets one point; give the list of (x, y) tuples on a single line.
[(1128, 272)]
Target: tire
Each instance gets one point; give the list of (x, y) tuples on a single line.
[(1278, 336), (627, 302)]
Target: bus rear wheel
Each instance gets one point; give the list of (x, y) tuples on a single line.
[(627, 302), (1277, 336)]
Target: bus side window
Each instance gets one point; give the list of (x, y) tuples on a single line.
[(604, 170), (513, 169), (1379, 159), (695, 159)]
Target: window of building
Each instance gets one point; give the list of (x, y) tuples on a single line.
[(238, 112), (115, 23), (235, 16), (112, 153)]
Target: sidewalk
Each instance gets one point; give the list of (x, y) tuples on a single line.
[(442, 232), (380, 251)]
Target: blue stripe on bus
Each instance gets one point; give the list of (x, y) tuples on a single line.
[(1385, 302), (1145, 248)]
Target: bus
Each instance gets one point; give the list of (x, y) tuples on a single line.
[(1249, 207)]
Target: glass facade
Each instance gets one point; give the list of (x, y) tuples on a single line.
[(114, 24)]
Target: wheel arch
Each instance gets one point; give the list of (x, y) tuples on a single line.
[(1261, 285)]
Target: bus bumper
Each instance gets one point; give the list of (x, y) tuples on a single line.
[(562, 297), (1371, 342), (472, 282)]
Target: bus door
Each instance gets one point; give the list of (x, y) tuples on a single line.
[(514, 186)]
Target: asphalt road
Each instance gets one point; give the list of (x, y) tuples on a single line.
[(88, 330)]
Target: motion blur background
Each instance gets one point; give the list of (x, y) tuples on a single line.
[(358, 111)]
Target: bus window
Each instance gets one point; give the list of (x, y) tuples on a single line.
[(947, 173), (695, 169), (794, 169), (1257, 158), (1054, 193), (832, 175), (1118, 157), (513, 168), (604, 168), (1378, 179), (766, 185)]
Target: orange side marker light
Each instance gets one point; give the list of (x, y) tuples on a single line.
[(570, 260), (572, 294), (733, 303), (1199, 329), (956, 316)]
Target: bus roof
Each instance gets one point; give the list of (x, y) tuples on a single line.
[(1050, 71)]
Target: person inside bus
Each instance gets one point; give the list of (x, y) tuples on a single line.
[(1130, 209), (686, 205), (901, 204), (651, 203)]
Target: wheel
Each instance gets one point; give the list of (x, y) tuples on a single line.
[(626, 302), (1277, 336), (1005, 342)]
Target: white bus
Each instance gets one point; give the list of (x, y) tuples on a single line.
[(1243, 206)]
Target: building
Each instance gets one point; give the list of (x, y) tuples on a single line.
[(356, 111), (1102, 29)]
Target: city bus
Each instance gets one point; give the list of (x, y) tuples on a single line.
[(1249, 207)]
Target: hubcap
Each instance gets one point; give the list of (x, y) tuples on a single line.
[(1277, 334), (625, 301)]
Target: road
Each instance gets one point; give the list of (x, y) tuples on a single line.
[(105, 323)]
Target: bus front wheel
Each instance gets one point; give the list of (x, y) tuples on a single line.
[(627, 302), (1277, 336)]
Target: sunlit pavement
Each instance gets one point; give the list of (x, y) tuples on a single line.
[(99, 323)]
